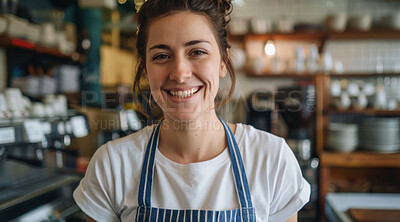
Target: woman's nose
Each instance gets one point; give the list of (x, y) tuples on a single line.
[(181, 70)]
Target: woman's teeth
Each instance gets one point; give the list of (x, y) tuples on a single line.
[(185, 93)]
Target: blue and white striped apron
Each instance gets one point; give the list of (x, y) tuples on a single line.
[(145, 212)]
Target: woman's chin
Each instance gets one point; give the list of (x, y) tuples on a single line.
[(181, 116)]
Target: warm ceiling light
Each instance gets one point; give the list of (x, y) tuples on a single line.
[(121, 1), (270, 48)]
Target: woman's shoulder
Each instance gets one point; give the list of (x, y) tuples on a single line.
[(125, 147), (262, 146), (250, 136), (137, 139)]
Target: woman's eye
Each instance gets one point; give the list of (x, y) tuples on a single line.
[(160, 57), (198, 52)]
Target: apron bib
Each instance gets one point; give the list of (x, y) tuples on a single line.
[(145, 212)]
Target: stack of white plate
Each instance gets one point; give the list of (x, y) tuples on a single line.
[(343, 137), (380, 134)]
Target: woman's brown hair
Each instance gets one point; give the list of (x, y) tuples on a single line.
[(217, 12)]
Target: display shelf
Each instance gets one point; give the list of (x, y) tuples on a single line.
[(311, 75), (368, 111), (330, 161), (6, 41), (363, 75), (322, 35), (317, 36), (18, 121), (281, 75), (371, 34), (33, 129), (360, 159)]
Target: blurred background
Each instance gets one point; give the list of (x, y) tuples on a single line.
[(323, 74)]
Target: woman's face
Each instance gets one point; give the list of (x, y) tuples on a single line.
[(183, 65)]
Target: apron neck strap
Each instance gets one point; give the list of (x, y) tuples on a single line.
[(242, 186), (146, 178)]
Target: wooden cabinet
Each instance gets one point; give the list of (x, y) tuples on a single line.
[(383, 169)]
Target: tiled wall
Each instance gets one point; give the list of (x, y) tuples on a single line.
[(311, 10), (357, 56), (366, 56)]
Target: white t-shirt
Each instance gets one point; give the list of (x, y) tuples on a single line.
[(109, 190)]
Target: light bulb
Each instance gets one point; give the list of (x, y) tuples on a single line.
[(269, 48)]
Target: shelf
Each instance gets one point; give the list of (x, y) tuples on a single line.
[(36, 129), (19, 121), (6, 41), (363, 75), (372, 34), (281, 75), (281, 36), (322, 35), (360, 159), (369, 111), (288, 36), (311, 75)]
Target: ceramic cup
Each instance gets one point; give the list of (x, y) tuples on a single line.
[(257, 65), (38, 110), (260, 26), (238, 26), (336, 22), (360, 22)]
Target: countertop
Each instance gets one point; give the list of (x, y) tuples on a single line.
[(337, 204)]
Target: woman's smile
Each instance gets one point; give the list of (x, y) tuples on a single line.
[(182, 95)]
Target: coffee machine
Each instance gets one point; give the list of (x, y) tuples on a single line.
[(296, 105), (260, 105)]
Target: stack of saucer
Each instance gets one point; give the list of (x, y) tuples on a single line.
[(343, 137), (380, 134)]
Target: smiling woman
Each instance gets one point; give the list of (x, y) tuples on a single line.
[(183, 66), (192, 166)]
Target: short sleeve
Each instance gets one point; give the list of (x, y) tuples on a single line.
[(94, 193), (290, 190)]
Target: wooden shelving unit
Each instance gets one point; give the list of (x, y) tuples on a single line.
[(8, 42), (341, 166), (334, 164), (33, 50), (360, 159), (282, 75), (368, 111), (363, 75), (288, 36), (372, 34), (322, 35)]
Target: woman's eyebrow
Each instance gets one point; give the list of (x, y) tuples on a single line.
[(160, 46), (190, 43), (194, 42)]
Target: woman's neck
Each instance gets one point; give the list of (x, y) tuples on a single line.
[(192, 141)]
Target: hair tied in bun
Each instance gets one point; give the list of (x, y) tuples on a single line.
[(138, 4)]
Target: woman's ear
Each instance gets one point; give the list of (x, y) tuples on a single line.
[(143, 67), (147, 76), (223, 71)]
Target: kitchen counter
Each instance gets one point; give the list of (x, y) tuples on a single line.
[(337, 204), (34, 193)]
